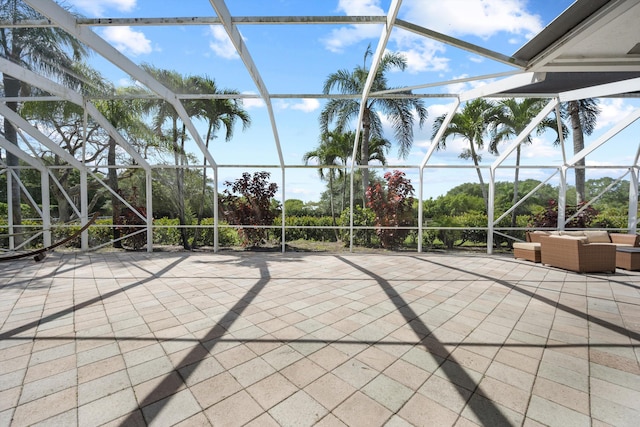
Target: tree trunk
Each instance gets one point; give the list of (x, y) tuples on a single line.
[(364, 155), (116, 205), (196, 235), (333, 210), (12, 89), (179, 195), (485, 196), (179, 159), (578, 145)]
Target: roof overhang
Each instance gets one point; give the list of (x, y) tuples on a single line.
[(592, 43)]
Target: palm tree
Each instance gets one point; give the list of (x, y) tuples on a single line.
[(583, 115), (175, 137), (513, 118), (218, 113), (326, 154), (475, 120), (48, 50), (399, 110), (340, 146), (126, 116)]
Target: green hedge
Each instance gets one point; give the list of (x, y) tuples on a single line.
[(325, 234)]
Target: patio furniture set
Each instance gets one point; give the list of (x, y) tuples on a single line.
[(583, 251)]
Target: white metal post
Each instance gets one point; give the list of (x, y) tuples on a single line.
[(84, 206), (490, 209), (46, 208), (562, 198), (216, 219), (420, 209), (633, 201), (282, 230), (12, 241), (149, 203)]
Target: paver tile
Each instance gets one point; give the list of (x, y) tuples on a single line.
[(171, 409), (46, 407), (300, 409), (551, 413), (388, 392), (562, 394), (303, 372), (236, 410), (215, 389), (360, 409), (48, 385), (271, 390), (422, 411), (444, 392)]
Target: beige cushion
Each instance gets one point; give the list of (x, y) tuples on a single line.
[(579, 238), (597, 236), (572, 233), (527, 246)]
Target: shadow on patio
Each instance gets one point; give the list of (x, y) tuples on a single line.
[(301, 339)]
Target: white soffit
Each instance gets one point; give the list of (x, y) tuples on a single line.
[(602, 42)]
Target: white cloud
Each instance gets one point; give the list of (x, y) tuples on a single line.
[(221, 44), (482, 18), (347, 36), (96, 8), (612, 110), (360, 7), (421, 54), (250, 103), (343, 37), (127, 40), (540, 148), (123, 82), (307, 105)]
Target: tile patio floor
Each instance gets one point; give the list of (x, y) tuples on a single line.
[(125, 339)]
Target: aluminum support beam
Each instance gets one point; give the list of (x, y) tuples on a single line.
[(460, 44), (19, 153), (617, 128), (43, 83), (202, 20), (562, 198), (610, 89), (491, 210), (67, 22), (499, 86), (84, 209), (236, 38), (551, 105), (42, 139), (632, 224), (45, 213), (375, 63), (149, 205), (434, 142)]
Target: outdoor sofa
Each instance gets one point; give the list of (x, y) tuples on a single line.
[(576, 250)]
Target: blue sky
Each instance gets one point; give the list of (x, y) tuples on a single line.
[(296, 59)]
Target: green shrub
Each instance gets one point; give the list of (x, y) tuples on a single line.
[(310, 234), (226, 236), (361, 217), (611, 218), (166, 232)]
